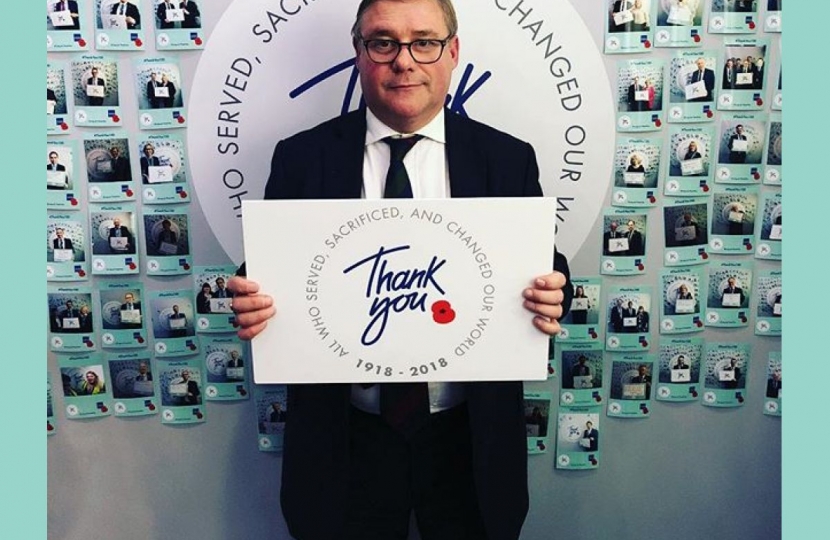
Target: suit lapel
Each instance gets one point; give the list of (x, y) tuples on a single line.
[(343, 165), (467, 168)]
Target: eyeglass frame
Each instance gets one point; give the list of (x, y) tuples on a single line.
[(408, 45)]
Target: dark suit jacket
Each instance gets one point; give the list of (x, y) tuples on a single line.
[(191, 17), (708, 81), (635, 243), (326, 162), (132, 11), (72, 7), (67, 243), (728, 82), (734, 290), (594, 436), (125, 233), (58, 167), (50, 95), (167, 103), (120, 170), (161, 15), (145, 163)]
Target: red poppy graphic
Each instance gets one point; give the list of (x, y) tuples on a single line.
[(442, 312)]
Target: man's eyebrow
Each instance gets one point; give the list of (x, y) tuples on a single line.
[(385, 33)]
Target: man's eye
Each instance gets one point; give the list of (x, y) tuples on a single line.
[(382, 45), (425, 44)]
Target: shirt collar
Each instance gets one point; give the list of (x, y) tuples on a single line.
[(377, 130)]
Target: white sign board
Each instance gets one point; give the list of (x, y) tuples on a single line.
[(399, 290)]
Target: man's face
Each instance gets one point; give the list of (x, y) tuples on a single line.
[(148, 150), (94, 72), (152, 76), (116, 223), (739, 130), (405, 95), (53, 157), (701, 63), (630, 305), (220, 283), (185, 374), (128, 298), (641, 370), (175, 309), (730, 282), (59, 233), (114, 152), (630, 225), (614, 226), (69, 304), (589, 425), (142, 368)]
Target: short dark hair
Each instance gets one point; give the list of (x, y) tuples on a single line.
[(446, 6)]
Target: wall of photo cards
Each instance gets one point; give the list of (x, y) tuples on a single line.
[(656, 123)]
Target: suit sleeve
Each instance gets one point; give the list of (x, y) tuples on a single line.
[(560, 262)]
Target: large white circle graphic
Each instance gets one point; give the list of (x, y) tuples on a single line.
[(272, 69)]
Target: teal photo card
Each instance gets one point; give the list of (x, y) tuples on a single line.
[(734, 211), (51, 421), (740, 148), (725, 374), (118, 25), (159, 85), (66, 248), (71, 315), (772, 397), (679, 23), (133, 387), (178, 25), (582, 373), (623, 243), (628, 318), (636, 171), (174, 332), (65, 21), (95, 91), (639, 95), (63, 189), (227, 363), (689, 161), (163, 169), (108, 168), (123, 316), (686, 233), (57, 113), (733, 16), (768, 240), (629, 27), (630, 382), (727, 303), (768, 292), (86, 390), (772, 161), (583, 321), (744, 75), (692, 83), (213, 299), (682, 309), (180, 387), (577, 438), (112, 229), (537, 419), (271, 413), (166, 240), (679, 369)]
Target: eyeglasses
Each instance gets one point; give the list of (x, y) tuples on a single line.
[(423, 51)]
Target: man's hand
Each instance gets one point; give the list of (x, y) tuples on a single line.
[(545, 299), (252, 309)]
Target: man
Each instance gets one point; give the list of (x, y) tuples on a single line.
[(616, 318), (707, 76), (52, 98), (774, 385), (630, 313), (148, 160), (680, 363), (177, 329), (741, 83), (618, 7), (166, 236), (72, 7), (60, 242), (737, 155), (354, 483), (167, 102), (732, 289), (193, 396), (121, 231), (95, 80), (635, 105), (636, 246), (144, 373), (162, 16), (611, 234), (728, 75), (129, 11), (235, 361), (733, 367), (222, 291), (119, 166), (131, 305), (642, 377), (744, 6), (191, 14), (276, 414), (69, 311), (580, 369), (152, 84), (57, 181), (592, 435), (758, 74)]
